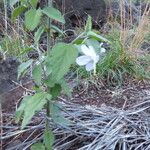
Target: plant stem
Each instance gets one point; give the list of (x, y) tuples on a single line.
[(5, 9), (49, 21), (49, 44)]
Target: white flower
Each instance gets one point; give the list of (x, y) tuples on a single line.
[(89, 59), (102, 50)]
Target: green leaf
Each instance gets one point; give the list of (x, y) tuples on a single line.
[(61, 58), (97, 36), (17, 11), (94, 43), (50, 82), (25, 50), (13, 2), (37, 74), (54, 14), (38, 34), (24, 2), (23, 67), (38, 146), (48, 139), (66, 89), (32, 18), (79, 39), (56, 115), (57, 29), (48, 64), (55, 91), (34, 3), (88, 26), (30, 105), (20, 110)]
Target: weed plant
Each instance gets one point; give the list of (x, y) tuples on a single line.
[(12, 46), (118, 64), (124, 58)]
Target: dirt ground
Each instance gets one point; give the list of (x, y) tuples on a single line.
[(128, 95)]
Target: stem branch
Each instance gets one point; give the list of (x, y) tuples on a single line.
[(49, 44)]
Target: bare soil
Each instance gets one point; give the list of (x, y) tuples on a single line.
[(128, 95)]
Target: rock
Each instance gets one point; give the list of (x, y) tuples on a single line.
[(76, 11), (10, 99), (8, 75)]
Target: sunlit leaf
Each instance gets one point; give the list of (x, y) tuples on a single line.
[(88, 26), (38, 146), (48, 139), (54, 14), (17, 11), (32, 18), (37, 74), (30, 105), (34, 3), (97, 36), (61, 58), (38, 34)]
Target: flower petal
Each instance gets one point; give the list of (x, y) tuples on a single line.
[(103, 50), (88, 51), (90, 66), (92, 52), (83, 60)]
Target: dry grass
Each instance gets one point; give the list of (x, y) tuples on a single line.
[(133, 24), (90, 128), (13, 37), (133, 37), (141, 32)]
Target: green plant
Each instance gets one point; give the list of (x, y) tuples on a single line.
[(118, 64), (124, 59), (90, 45), (49, 69), (13, 45)]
